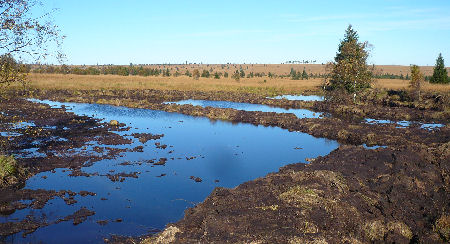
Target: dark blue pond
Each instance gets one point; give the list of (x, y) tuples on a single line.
[(225, 154), (300, 113)]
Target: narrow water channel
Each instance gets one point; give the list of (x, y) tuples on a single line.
[(300, 113), (299, 97), (219, 153)]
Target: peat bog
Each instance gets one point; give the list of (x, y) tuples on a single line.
[(116, 165), (150, 180)]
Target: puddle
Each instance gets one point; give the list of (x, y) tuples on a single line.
[(431, 126), (373, 147), (300, 113), (199, 154), (16, 126), (22, 125), (403, 124), (31, 153), (7, 134), (299, 97)]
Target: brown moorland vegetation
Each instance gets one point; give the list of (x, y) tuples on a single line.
[(278, 69), (259, 85)]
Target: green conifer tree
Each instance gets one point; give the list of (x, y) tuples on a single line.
[(242, 73), (236, 75), (440, 73), (304, 75), (349, 73)]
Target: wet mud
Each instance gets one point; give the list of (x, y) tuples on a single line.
[(63, 140), (12, 200), (376, 104), (345, 126)]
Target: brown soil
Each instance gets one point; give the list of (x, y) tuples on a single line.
[(353, 195), (145, 137)]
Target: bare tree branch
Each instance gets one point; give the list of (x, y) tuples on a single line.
[(23, 35)]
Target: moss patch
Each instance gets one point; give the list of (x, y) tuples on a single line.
[(271, 207), (302, 197), (8, 166), (400, 228), (375, 230), (343, 135), (443, 227), (8, 170)]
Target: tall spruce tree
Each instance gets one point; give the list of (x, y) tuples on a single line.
[(304, 75), (440, 73), (349, 72)]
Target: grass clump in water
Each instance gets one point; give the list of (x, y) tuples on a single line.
[(8, 166), (9, 170)]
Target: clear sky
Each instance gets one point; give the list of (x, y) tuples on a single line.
[(402, 32)]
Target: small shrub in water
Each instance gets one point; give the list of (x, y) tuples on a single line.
[(114, 123)]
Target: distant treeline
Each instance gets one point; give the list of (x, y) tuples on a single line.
[(139, 70), (391, 76), (301, 62), (105, 70), (401, 77)]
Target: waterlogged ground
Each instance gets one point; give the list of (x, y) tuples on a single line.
[(160, 175), (299, 97), (300, 113), (403, 124)]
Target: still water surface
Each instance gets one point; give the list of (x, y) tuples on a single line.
[(300, 113), (299, 97)]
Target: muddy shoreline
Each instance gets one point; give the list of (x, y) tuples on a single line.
[(63, 138), (353, 195), (356, 192), (375, 104), (346, 127)]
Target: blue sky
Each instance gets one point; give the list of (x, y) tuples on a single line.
[(402, 32)]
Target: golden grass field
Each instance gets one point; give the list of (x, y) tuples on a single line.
[(278, 69), (283, 69), (265, 85), (260, 85), (184, 83), (397, 84)]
